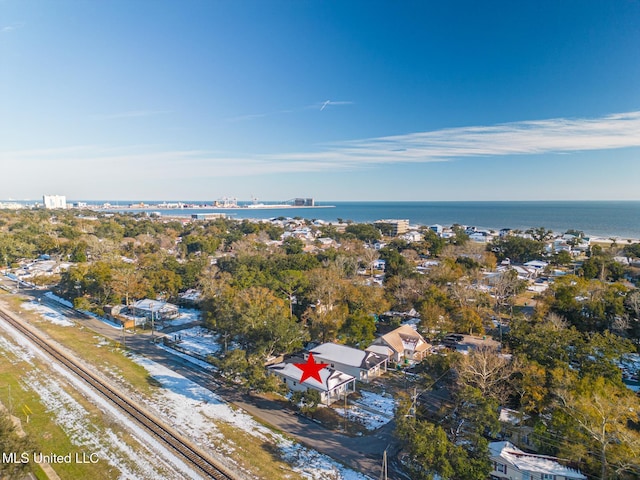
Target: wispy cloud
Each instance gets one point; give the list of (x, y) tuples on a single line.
[(12, 27), (131, 114), (560, 135)]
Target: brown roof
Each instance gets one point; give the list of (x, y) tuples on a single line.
[(404, 335)]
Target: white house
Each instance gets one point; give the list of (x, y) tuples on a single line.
[(154, 309), (334, 385), (511, 463), (358, 363), (379, 265), (537, 264), (412, 236), (480, 237), (437, 228)]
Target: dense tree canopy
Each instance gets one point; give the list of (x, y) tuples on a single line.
[(516, 248)]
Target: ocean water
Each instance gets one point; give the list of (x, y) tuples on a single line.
[(596, 218)]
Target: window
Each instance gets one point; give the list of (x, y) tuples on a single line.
[(501, 468), (548, 476)]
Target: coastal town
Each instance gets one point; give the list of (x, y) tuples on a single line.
[(312, 240), (442, 351)]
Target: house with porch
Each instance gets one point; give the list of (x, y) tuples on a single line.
[(360, 364), (402, 344), (333, 386), (511, 463)]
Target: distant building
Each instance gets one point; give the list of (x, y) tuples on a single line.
[(10, 206), (397, 227), (207, 216), (54, 201), (303, 202)]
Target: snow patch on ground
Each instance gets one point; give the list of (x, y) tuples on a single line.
[(189, 358), (371, 410), (187, 315), (313, 465), (191, 406), (58, 299), (48, 314), (195, 402), (102, 341), (198, 340), (75, 421), (16, 351)]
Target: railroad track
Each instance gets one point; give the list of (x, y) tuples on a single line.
[(167, 435)]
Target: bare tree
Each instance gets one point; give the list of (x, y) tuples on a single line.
[(556, 322), (504, 287), (487, 370), (369, 257)]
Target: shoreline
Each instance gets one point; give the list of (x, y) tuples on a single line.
[(599, 220)]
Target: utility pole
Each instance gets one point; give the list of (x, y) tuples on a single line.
[(345, 409), (384, 474)]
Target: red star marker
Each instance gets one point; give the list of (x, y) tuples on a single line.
[(311, 369)]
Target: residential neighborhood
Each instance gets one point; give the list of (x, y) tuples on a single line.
[(427, 332)]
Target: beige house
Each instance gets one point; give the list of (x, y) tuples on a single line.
[(402, 344)]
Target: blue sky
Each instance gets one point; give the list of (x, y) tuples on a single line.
[(455, 100)]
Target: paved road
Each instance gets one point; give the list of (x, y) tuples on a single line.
[(360, 453)]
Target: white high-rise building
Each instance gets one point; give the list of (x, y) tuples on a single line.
[(54, 201)]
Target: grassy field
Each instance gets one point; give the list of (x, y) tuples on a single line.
[(48, 436)]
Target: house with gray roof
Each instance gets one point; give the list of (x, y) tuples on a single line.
[(333, 386), (360, 364)]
